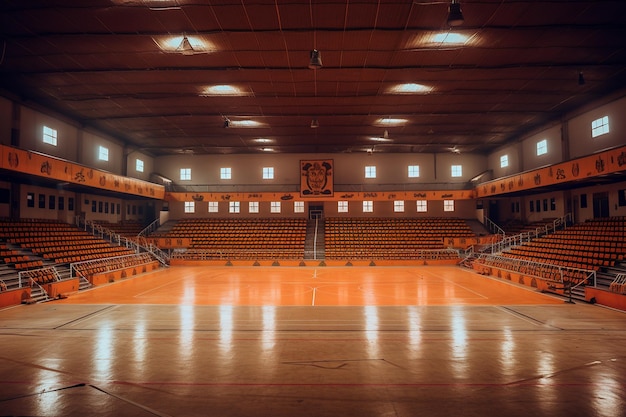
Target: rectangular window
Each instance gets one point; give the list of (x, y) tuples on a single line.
[(70, 204), (298, 206), (268, 173), (225, 173), (49, 136), (103, 153), (398, 206), (61, 203), (583, 201), (552, 204), (422, 206), (185, 174), (414, 171), (370, 171), (368, 207), (448, 205), (119, 207), (253, 207), (138, 165), (42, 201), (213, 207), (504, 161), (106, 206), (542, 147), (342, 206), (600, 126), (52, 202), (532, 207), (545, 204), (538, 206), (94, 206), (190, 207), (457, 170), (100, 207), (275, 207), (233, 207), (30, 200)]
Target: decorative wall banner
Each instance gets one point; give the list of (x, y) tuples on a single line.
[(41, 165), (602, 163), (316, 178), (347, 196)]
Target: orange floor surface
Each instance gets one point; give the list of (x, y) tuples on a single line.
[(312, 286)]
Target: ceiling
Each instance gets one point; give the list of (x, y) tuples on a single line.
[(122, 67)]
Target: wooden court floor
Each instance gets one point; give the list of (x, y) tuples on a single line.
[(312, 342), (312, 286)]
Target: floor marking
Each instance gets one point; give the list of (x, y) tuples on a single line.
[(526, 318), (313, 300), (87, 316)]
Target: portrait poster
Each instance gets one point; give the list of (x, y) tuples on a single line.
[(316, 178)]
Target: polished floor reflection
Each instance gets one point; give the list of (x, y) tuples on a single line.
[(479, 355)]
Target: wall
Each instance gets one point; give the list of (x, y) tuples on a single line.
[(90, 148), (43, 203), (555, 149), (613, 190), (581, 142), (514, 153), (131, 163), (349, 170), (31, 135), (5, 206), (6, 116)]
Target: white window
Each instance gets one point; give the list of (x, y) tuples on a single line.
[(253, 207), (342, 206), (504, 161), (225, 173), (213, 207), (190, 207), (414, 171), (138, 165), (275, 207), (448, 205), (457, 170), (185, 174), (422, 206), (268, 173), (542, 147), (103, 153), (49, 136), (368, 207), (398, 206), (298, 206), (600, 126), (233, 207), (370, 172)]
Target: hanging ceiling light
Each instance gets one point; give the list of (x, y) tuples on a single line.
[(455, 15), (185, 47), (315, 60)]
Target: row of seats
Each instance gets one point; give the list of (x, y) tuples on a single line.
[(93, 267)]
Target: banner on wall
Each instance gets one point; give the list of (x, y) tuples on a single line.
[(316, 178), (41, 165), (602, 163)]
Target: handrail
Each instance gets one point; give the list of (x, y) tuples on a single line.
[(493, 227), (315, 238), (30, 273), (106, 261), (152, 227)]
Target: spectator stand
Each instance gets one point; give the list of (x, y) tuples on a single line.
[(105, 270)]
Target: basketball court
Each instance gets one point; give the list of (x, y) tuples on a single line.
[(305, 341)]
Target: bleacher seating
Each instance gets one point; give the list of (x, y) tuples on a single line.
[(590, 245), (389, 238), (55, 241), (241, 238)]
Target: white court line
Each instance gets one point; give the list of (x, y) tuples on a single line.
[(461, 286), (313, 300)]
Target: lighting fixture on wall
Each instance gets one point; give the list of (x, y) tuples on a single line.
[(226, 123), (455, 15), (315, 124), (315, 61)]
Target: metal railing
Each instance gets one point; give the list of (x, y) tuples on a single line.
[(551, 272), (151, 228), (26, 277), (110, 264), (492, 227), (516, 240)]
